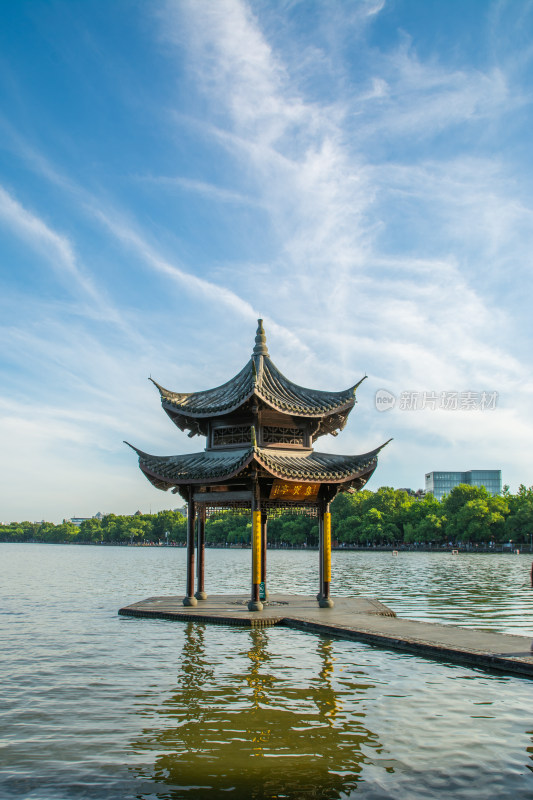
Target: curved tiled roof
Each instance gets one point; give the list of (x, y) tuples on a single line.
[(281, 393), (312, 467), (168, 471), (212, 402), (193, 467), (259, 379), (268, 384)]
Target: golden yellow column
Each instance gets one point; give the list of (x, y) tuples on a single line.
[(256, 547), (327, 547), (255, 603), (326, 601)]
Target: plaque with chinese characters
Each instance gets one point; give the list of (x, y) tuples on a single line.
[(282, 490)]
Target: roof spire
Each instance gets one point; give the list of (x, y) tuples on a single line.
[(260, 348)]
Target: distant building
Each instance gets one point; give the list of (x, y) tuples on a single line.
[(419, 494), (441, 483), (79, 520)]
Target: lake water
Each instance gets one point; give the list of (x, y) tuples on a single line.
[(100, 706)]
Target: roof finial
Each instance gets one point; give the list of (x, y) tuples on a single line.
[(260, 348)]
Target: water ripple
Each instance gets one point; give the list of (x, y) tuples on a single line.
[(97, 706)]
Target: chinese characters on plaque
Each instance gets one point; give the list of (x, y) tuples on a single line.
[(283, 490)]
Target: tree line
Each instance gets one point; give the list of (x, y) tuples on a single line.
[(468, 516)]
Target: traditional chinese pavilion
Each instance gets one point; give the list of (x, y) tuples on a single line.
[(260, 429)]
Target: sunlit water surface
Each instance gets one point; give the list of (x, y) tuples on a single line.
[(98, 706)]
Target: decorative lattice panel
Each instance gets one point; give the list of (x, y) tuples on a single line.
[(272, 509), (278, 435), (235, 434), (233, 508)]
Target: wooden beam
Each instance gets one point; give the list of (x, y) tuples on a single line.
[(222, 497)]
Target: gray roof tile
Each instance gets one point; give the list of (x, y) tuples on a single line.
[(168, 471), (269, 385)]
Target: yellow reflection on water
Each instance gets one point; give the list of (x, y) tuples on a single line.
[(246, 724)]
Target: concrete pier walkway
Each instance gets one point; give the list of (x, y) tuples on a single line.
[(360, 619)]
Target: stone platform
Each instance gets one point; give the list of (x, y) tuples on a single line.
[(360, 619)]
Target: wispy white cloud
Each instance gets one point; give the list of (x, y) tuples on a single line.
[(208, 190), (422, 318), (128, 232), (57, 250), (201, 288), (59, 465), (188, 280), (391, 235), (420, 99), (55, 247)]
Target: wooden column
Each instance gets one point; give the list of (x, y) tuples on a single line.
[(190, 599), (200, 554), (325, 601), (255, 603), (320, 551), (264, 521)]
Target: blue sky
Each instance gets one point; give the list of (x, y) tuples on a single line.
[(358, 173)]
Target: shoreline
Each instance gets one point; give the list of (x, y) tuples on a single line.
[(394, 550)]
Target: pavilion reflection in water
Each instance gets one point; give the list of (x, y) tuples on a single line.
[(256, 731)]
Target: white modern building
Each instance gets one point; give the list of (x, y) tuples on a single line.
[(441, 483)]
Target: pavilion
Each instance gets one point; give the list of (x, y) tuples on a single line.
[(260, 429)]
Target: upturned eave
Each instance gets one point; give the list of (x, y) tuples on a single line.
[(166, 472), (190, 411)]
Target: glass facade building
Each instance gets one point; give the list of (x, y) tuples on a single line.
[(441, 483)]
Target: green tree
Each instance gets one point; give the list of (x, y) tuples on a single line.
[(431, 529), (480, 519), (519, 523), (90, 530), (65, 532), (377, 529), (460, 495)]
